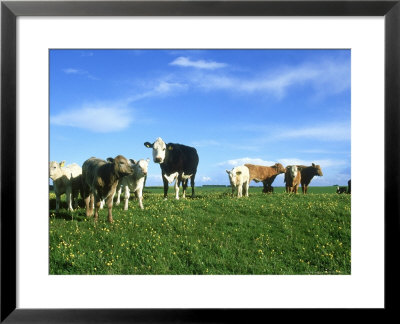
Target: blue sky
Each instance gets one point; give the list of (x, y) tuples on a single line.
[(233, 106)]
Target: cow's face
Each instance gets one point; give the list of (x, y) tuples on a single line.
[(122, 165), (234, 174), (159, 150), (55, 169), (232, 177), (141, 167), (292, 171), (317, 170), (279, 168)]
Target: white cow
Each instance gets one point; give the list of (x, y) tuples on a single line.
[(66, 179), (133, 182), (174, 177), (239, 178)]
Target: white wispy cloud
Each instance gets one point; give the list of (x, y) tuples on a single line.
[(325, 78), (325, 132), (205, 179), (160, 88), (73, 71), (80, 72), (87, 54), (241, 161), (285, 161), (199, 64), (206, 143), (98, 118), (328, 132)]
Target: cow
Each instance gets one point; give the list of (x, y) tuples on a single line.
[(265, 174), (175, 158), (340, 190), (133, 182), (349, 186), (100, 179), (66, 179), (307, 173), (239, 177), (292, 179)]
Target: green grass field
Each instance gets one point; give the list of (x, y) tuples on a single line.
[(211, 234)]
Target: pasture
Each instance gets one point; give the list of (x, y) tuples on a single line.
[(213, 233)]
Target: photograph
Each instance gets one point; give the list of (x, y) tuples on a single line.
[(199, 161)]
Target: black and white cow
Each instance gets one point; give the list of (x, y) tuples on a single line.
[(175, 158), (340, 190)]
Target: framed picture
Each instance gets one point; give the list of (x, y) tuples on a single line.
[(225, 29)]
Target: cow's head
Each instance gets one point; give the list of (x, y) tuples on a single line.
[(122, 165), (279, 168), (317, 170), (55, 169), (292, 171), (233, 176), (159, 150), (140, 167)]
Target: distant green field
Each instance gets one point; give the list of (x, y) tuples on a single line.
[(252, 189), (211, 234)]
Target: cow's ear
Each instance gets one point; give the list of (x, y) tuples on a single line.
[(62, 163), (148, 144), (227, 171), (148, 160), (313, 164), (170, 148), (133, 161), (110, 159)]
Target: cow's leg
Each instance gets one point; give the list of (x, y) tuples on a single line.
[(192, 184), (57, 201), (139, 194), (305, 189), (96, 203), (68, 194), (109, 202), (177, 182), (88, 198), (246, 187), (119, 196), (75, 195), (165, 181), (126, 197), (265, 188), (184, 186), (240, 188)]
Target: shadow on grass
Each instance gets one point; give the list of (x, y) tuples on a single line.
[(77, 215)]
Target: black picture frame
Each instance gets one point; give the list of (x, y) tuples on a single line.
[(10, 10)]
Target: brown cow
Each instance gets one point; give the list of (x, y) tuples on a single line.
[(265, 174), (100, 180), (292, 178), (307, 173)]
